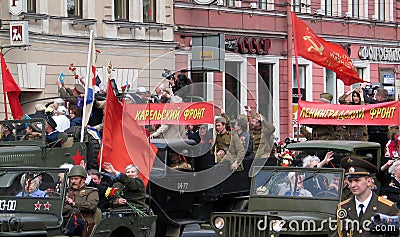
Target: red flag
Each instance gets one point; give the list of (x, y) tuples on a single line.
[(12, 89), (124, 141), (326, 54)]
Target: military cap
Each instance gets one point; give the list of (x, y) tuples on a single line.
[(36, 127), (220, 120), (357, 167), (51, 122), (326, 97), (79, 88), (8, 125)]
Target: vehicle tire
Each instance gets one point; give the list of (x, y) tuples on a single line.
[(93, 146)]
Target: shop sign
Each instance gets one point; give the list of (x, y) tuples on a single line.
[(248, 45), (379, 54), (17, 7), (19, 33)]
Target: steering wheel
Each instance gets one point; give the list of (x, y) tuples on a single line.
[(53, 194), (326, 194)]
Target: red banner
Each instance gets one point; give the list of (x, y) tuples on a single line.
[(333, 114), (324, 53), (170, 113)]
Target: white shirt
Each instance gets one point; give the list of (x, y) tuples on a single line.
[(63, 123), (365, 203)]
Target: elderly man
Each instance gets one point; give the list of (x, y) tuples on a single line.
[(80, 197), (364, 203), (52, 133)]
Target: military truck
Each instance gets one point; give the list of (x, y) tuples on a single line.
[(24, 215), (188, 197), (37, 153), (280, 205)]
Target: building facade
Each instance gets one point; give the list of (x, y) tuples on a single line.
[(136, 36), (260, 63)]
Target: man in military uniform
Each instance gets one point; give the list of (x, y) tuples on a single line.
[(262, 133), (354, 214), (7, 132), (321, 132), (227, 145), (81, 198)]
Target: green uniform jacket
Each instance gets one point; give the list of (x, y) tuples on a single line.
[(86, 200), (134, 191), (231, 144), (65, 92), (376, 205), (263, 138)]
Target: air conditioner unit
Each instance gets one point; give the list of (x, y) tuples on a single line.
[(348, 14), (253, 5), (220, 2), (374, 18), (319, 12)]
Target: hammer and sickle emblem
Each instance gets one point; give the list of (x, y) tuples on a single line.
[(314, 45)]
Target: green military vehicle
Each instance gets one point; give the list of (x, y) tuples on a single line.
[(341, 148), (42, 215), (36, 153), (275, 209)]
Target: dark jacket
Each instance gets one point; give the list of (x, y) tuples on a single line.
[(134, 191)]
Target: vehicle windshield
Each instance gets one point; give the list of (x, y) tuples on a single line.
[(28, 184), (310, 184)]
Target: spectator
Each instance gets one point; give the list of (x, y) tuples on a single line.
[(192, 133), (170, 131), (180, 85), (7, 132), (40, 112), (389, 176), (33, 132), (354, 132), (97, 181), (75, 115), (51, 133), (133, 187)]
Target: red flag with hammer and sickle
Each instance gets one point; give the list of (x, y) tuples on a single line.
[(324, 53)]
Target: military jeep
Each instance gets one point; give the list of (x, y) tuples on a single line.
[(22, 214), (370, 151), (281, 205)]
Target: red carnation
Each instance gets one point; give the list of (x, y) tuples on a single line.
[(76, 76)]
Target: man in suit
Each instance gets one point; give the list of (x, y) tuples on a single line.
[(354, 214)]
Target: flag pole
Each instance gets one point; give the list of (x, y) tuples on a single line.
[(88, 66), (4, 91), (296, 57)]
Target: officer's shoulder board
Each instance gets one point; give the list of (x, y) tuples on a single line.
[(344, 202), (385, 201)]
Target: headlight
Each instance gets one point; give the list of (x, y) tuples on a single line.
[(276, 225), (219, 222)]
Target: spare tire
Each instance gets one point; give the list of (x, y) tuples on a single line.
[(93, 145)]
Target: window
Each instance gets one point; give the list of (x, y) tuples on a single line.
[(232, 88), (265, 90), (229, 3), (31, 6), (262, 4), (74, 8), (328, 7), (356, 8), (149, 10), (303, 6), (121, 9), (331, 84)]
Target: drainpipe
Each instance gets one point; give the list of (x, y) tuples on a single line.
[(289, 68)]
